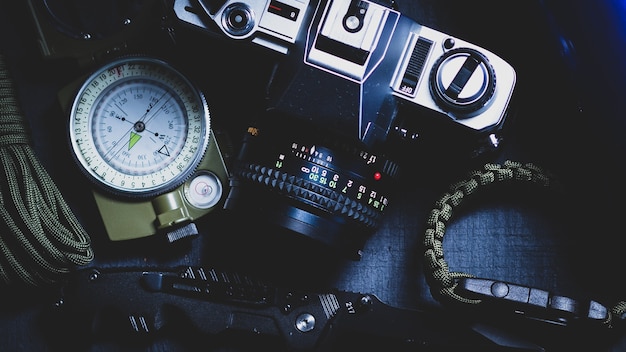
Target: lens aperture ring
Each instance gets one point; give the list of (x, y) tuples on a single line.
[(310, 193)]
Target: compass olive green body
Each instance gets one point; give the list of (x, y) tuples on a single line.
[(140, 131)]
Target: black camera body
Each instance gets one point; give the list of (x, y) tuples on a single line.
[(354, 82), (365, 69)]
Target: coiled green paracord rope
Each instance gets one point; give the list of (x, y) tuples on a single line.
[(444, 282), (40, 237)]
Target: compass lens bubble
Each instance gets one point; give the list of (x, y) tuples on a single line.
[(204, 190)]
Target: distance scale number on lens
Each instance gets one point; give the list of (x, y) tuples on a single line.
[(315, 166)]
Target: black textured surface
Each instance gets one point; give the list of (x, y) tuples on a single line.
[(568, 117)]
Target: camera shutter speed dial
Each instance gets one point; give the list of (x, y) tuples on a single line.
[(463, 82), (238, 19), (138, 127)]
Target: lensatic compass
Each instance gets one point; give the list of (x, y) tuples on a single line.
[(140, 130)]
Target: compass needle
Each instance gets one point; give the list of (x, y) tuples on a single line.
[(134, 138), (111, 151)]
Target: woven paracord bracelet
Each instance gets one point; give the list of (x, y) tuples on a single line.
[(444, 282)]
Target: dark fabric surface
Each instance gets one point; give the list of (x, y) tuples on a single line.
[(568, 117)]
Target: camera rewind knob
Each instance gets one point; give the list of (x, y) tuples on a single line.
[(463, 82)]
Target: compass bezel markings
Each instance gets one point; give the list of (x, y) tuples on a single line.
[(184, 99)]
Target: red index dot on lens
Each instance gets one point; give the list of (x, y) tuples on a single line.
[(377, 176)]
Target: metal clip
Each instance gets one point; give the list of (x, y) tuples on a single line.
[(209, 286), (535, 303)]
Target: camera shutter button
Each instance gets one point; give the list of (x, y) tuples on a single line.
[(462, 81), (352, 23)]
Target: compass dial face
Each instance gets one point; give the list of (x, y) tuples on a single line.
[(138, 127)]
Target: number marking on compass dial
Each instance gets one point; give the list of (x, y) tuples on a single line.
[(139, 127)]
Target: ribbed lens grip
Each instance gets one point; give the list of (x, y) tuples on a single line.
[(320, 197)]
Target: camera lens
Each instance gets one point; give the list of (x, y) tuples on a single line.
[(312, 184)]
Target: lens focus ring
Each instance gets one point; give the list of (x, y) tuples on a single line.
[(313, 194), (311, 183)]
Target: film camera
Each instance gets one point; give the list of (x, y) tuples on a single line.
[(354, 82)]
